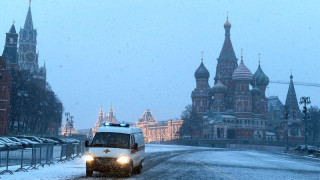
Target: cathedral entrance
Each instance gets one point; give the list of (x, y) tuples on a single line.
[(231, 134)]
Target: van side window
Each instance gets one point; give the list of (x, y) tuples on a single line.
[(132, 141), (139, 139)]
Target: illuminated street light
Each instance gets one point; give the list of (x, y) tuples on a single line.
[(305, 100)]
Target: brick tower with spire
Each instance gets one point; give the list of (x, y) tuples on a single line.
[(27, 51), (294, 122), (28, 57), (10, 52)]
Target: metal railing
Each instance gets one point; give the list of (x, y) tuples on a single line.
[(15, 160)]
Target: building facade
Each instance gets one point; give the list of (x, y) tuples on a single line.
[(5, 91), (103, 118), (158, 131)]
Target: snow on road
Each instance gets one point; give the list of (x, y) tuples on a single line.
[(163, 148), (187, 162), (254, 165), (76, 167)]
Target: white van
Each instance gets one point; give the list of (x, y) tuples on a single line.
[(116, 148)]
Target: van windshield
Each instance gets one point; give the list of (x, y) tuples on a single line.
[(114, 140)]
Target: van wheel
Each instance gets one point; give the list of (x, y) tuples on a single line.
[(89, 173), (138, 169)]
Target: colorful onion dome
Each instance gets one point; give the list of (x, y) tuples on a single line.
[(242, 72), (219, 87), (202, 72), (227, 24), (260, 78), (256, 91)]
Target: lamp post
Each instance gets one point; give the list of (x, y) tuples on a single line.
[(67, 114), (70, 124), (42, 104), (305, 100), (21, 94)]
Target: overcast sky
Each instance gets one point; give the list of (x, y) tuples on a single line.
[(143, 54)]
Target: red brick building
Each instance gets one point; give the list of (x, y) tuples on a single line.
[(230, 109), (5, 89)]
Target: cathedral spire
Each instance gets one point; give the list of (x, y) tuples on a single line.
[(227, 51), (291, 100), (28, 24)]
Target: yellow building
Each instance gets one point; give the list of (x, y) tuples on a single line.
[(157, 131)]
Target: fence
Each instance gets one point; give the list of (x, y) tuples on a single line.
[(15, 160)]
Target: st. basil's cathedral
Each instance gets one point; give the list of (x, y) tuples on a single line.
[(231, 109)]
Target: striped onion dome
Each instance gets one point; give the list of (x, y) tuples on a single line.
[(242, 73)]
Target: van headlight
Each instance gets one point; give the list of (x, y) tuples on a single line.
[(123, 160), (89, 158)]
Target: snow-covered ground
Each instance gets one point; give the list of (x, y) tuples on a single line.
[(187, 162), (163, 148), (76, 167)]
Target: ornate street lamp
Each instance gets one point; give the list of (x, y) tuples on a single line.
[(305, 100), (70, 124), (67, 114)]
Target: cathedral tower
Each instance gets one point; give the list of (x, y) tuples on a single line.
[(218, 91), (227, 63), (260, 82), (201, 94), (242, 95)]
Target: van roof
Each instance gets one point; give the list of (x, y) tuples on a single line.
[(115, 129)]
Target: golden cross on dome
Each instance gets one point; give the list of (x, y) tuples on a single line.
[(259, 59), (13, 22), (227, 15), (241, 55), (201, 56)]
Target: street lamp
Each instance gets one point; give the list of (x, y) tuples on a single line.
[(70, 124), (42, 104), (305, 100), (67, 114), (21, 94)]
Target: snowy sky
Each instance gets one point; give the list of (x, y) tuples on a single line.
[(143, 54)]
